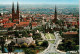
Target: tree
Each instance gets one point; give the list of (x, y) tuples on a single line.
[(65, 30), (28, 51), (30, 25), (32, 45), (78, 30), (59, 22), (77, 47), (37, 36), (16, 33), (12, 43), (10, 19), (74, 29), (60, 32), (9, 28), (24, 33), (37, 43), (24, 45), (67, 45), (0, 14), (45, 44), (9, 48), (2, 44)]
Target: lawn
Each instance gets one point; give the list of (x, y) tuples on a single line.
[(40, 42), (54, 53), (51, 41), (49, 36)]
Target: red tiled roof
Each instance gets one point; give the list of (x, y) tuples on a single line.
[(4, 20), (24, 19), (34, 24), (36, 19), (69, 17), (28, 20), (15, 20), (73, 23), (23, 24), (11, 24), (74, 17), (78, 23), (7, 25), (70, 33)]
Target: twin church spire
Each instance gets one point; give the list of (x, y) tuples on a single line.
[(13, 9), (15, 15)]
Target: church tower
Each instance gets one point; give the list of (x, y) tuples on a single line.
[(15, 16), (55, 15), (17, 10), (13, 11)]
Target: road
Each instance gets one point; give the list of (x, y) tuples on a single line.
[(52, 48), (43, 36)]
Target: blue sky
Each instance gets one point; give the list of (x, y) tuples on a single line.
[(40, 1)]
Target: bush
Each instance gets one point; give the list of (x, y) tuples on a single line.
[(45, 44), (24, 33), (37, 43), (24, 45), (74, 29), (32, 45), (12, 43), (68, 45), (28, 51)]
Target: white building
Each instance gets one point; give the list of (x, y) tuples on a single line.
[(28, 40)]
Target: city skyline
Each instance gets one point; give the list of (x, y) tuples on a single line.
[(39, 27), (41, 1)]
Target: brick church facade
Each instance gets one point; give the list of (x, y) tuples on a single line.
[(15, 15)]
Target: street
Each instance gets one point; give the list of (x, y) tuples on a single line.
[(52, 48)]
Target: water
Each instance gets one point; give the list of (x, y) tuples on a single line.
[(16, 50), (5, 49)]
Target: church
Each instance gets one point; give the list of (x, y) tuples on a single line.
[(15, 15)]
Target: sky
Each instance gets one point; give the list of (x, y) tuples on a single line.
[(40, 1)]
